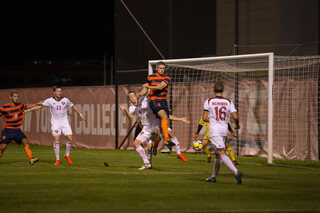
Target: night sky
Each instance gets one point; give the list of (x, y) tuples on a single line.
[(56, 31)]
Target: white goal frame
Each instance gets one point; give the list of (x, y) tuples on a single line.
[(270, 57)]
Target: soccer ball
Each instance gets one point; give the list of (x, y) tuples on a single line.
[(197, 145)]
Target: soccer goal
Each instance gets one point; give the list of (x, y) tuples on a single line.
[(276, 98)]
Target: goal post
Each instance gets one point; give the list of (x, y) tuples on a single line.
[(262, 78)]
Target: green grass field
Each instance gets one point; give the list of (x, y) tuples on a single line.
[(171, 186)]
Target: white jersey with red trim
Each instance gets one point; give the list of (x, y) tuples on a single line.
[(143, 111), (58, 109), (219, 109)]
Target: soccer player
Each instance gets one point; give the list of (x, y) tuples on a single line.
[(206, 141), (158, 84), (59, 121), (216, 111), (13, 113), (150, 124)]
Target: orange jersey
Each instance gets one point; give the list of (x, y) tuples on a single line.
[(155, 80), (13, 115)]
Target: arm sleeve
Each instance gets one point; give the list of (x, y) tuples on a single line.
[(69, 103), (46, 102), (206, 106), (232, 108), (132, 109)]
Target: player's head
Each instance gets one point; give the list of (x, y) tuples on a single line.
[(218, 87), (133, 97), (14, 97), (57, 91), (160, 67)]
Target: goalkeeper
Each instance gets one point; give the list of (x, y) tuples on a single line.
[(206, 141)]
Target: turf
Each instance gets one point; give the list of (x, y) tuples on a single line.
[(171, 186)]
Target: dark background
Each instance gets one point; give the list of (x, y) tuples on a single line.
[(84, 44)]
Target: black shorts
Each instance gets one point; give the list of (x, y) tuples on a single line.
[(157, 105), (8, 135)]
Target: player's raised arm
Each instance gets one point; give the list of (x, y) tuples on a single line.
[(77, 110), (33, 107), (157, 87), (143, 92), (183, 119), (129, 115)]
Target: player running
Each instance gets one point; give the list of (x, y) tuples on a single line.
[(140, 107), (206, 141), (158, 84), (13, 113), (59, 121), (216, 111)]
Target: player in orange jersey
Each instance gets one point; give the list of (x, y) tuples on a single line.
[(158, 84), (13, 113)]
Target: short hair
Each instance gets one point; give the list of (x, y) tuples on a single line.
[(131, 91), (218, 87), (160, 63), (11, 93), (55, 88)]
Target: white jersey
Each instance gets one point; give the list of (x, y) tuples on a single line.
[(58, 109), (219, 109), (143, 111)]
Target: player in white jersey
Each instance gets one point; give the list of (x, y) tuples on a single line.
[(150, 124), (216, 110), (59, 121)]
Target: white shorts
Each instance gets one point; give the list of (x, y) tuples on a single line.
[(145, 136), (64, 128), (218, 142)]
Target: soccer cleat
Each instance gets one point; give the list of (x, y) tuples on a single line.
[(235, 162), (168, 151), (68, 159), (146, 166), (238, 177), (182, 157), (169, 143), (33, 161), (57, 162), (208, 159), (211, 179)]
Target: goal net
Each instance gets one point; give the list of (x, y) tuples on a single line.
[(276, 98)]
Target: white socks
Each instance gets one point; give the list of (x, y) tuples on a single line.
[(226, 160), (56, 148), (68, 148), (216, 166), (177, 146), (142, 154)]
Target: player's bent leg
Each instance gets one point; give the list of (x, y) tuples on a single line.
[(164, 124), (177, 149), (155, 145), (140, 150), (230, 151), (28, 151)]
